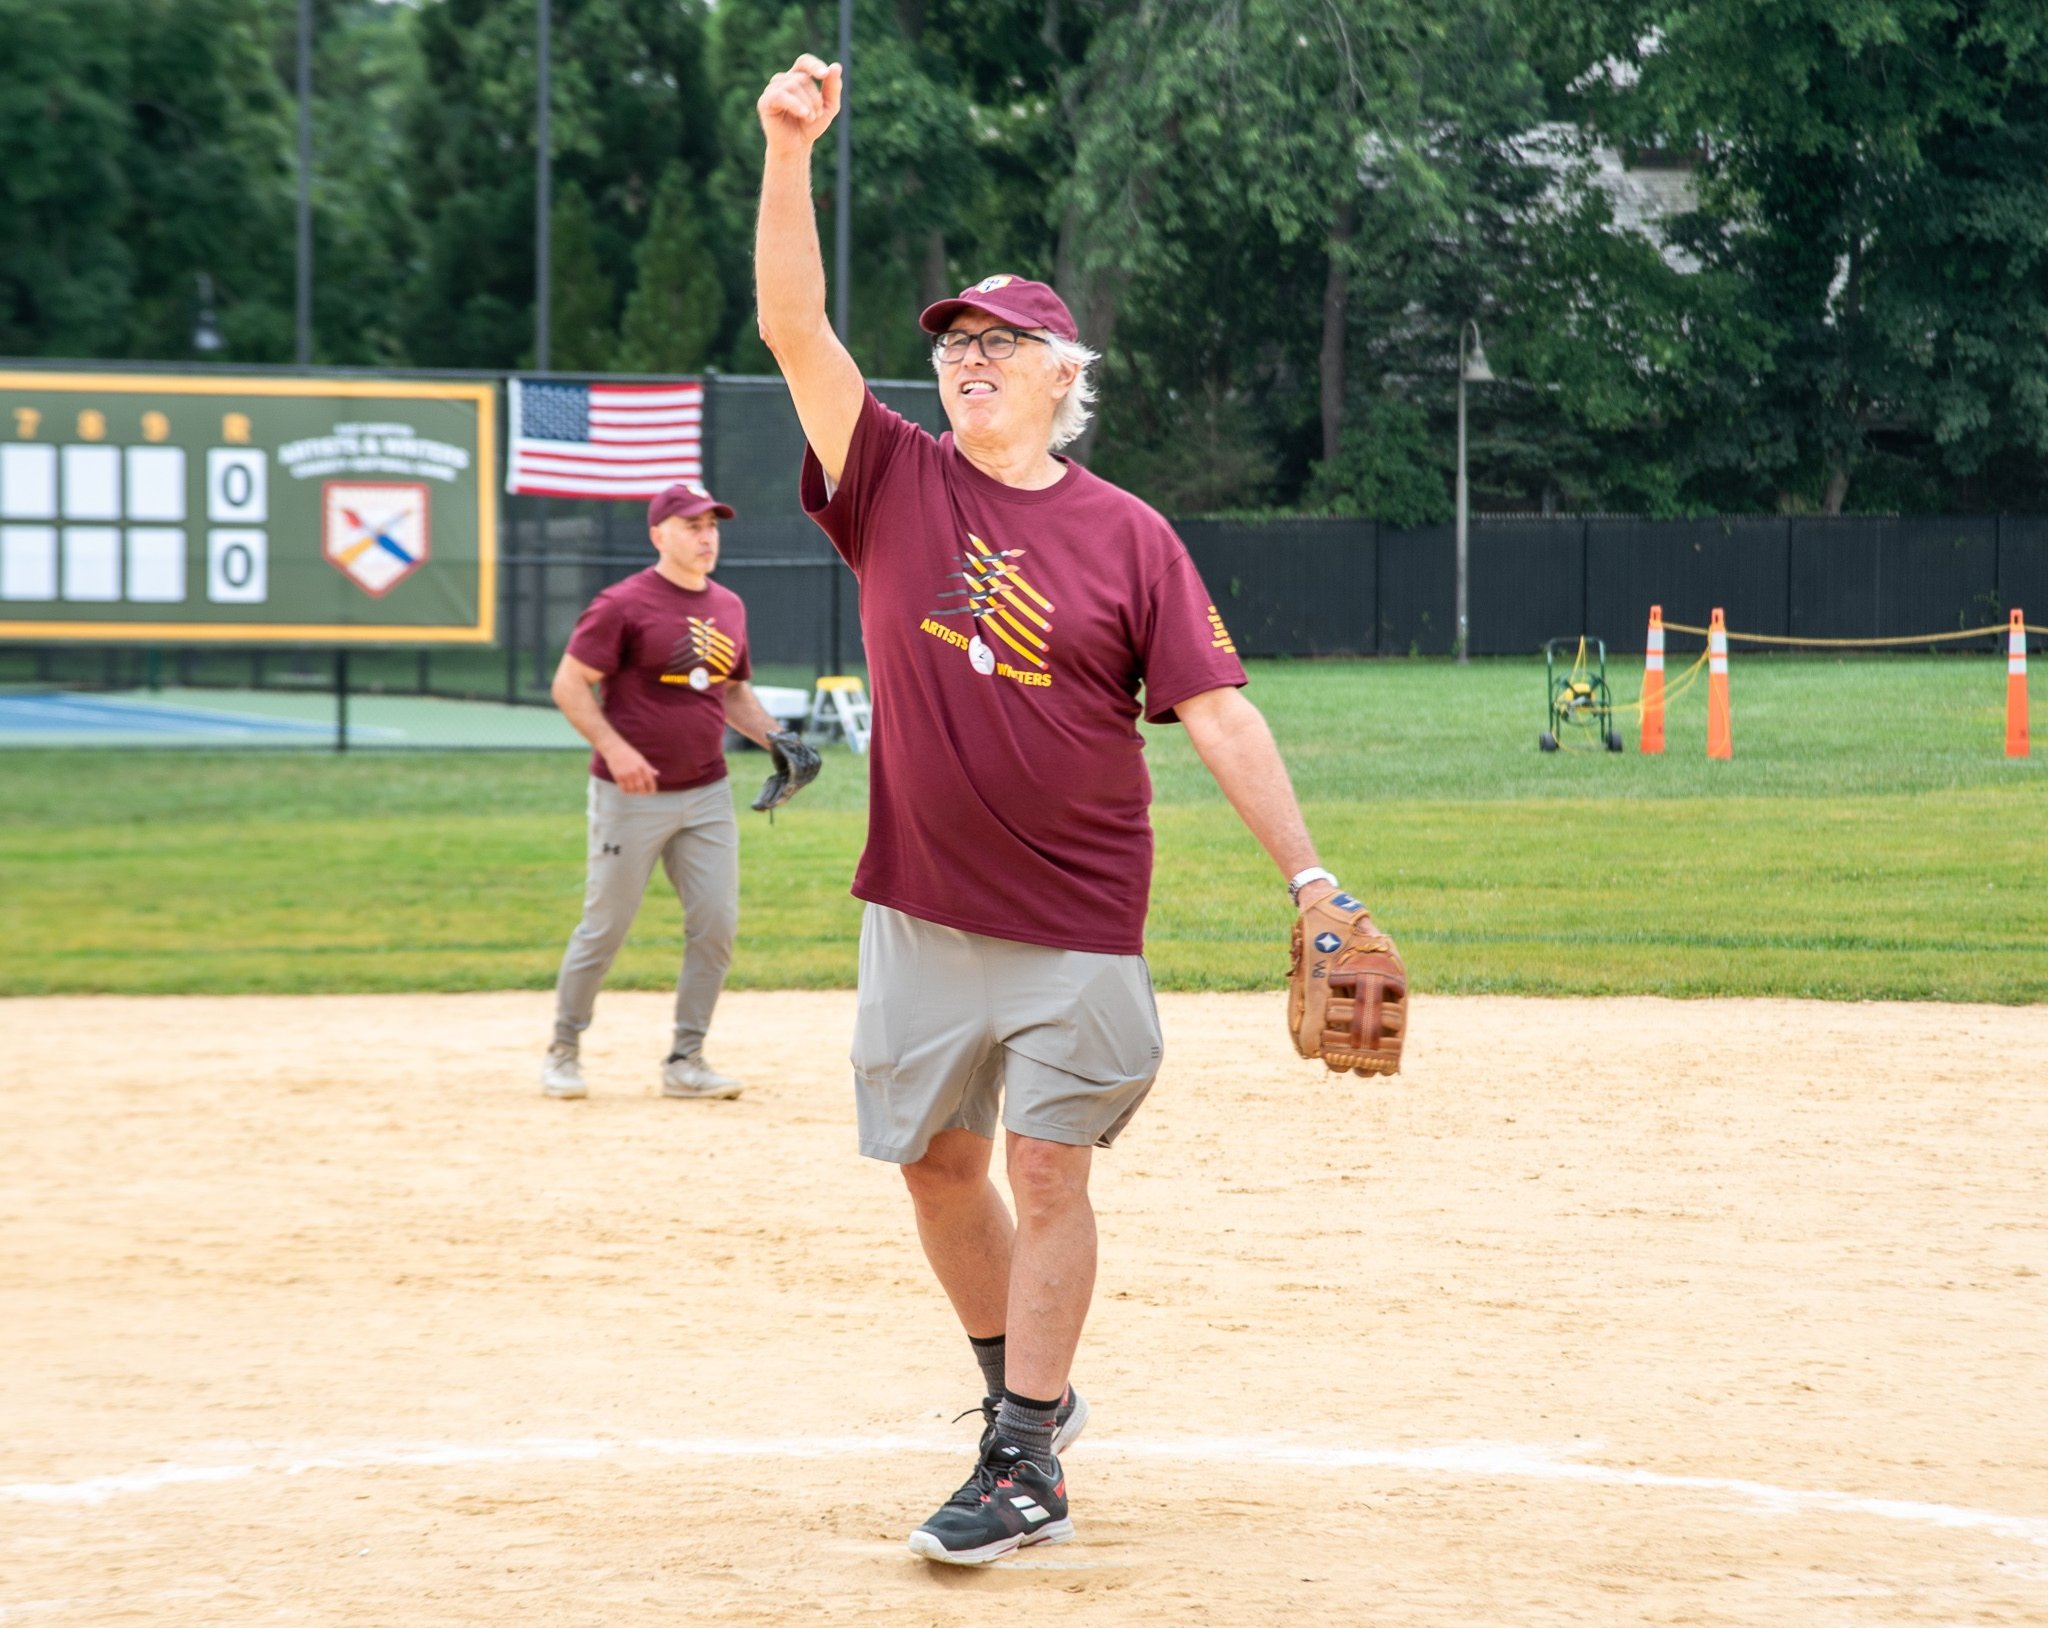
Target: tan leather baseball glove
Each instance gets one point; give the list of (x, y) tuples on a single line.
[(1347, 991)]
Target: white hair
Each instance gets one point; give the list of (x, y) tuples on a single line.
[(1070, 415), (1070, 418)]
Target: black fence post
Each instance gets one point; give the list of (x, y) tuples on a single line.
[(832, 595), (540, 595), (341, 699), (707, 434), (1585, 576), (1372, 643), (1379, 588), (1791, 538), (510, 608)]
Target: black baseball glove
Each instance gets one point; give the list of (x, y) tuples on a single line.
[(796, 766)]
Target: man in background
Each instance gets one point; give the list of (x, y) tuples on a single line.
[(657, 667)]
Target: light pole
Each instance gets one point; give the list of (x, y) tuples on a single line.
[(303, 281), (206, 337), (842, 191), (543, 318), (543, 181), (1471, 366), (842, 268)]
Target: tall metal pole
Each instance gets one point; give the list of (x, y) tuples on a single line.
[(1463, 654), (543, 186), (543, 257), (305, 260), (842, 276), (842, 200)]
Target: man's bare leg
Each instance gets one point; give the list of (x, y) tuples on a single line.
[(1052, 1266), (1036, 1278), (966, 1231)]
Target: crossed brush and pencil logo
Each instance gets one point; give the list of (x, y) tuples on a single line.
[(702, 657), (1005, 606), (375, 532)]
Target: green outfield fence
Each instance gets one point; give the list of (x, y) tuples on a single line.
[(1286, 587)]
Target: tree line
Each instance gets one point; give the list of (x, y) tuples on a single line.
[(1725, 255)]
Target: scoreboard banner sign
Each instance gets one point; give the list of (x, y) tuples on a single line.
[(169, 507)]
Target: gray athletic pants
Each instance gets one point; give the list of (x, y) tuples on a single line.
[(694, 835)]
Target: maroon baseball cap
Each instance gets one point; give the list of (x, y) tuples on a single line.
[(687, 499), (1015, 300)]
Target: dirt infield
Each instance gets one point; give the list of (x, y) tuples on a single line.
[(1615, 1311)]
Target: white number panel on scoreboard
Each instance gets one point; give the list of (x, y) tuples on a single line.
[(89, 523)]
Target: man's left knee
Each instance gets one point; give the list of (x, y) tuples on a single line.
[(1046, 1177)]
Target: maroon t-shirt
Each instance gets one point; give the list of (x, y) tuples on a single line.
[(667, 653), (1008, 635)]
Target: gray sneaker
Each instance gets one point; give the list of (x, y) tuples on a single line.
[(1009, 1503), (1069, 1422), (693, 1077), (561, 1075)]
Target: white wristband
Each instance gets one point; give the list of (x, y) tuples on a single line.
[(1315, 873)]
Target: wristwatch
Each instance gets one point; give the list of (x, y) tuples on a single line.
[(1315, 873)]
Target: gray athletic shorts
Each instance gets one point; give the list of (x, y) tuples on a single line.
[(952, 1023)]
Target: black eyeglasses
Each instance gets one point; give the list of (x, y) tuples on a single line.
[(997, 344)]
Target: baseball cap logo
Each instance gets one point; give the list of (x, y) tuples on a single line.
[(988, 285)]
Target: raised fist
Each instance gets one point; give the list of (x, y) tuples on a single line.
[(798, 106)]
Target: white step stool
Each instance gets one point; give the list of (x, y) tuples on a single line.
[(788, 706), (841, 704)]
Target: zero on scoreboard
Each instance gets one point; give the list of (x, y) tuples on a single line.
[(172, 507)]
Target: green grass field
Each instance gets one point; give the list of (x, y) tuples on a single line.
[(1870, 840)]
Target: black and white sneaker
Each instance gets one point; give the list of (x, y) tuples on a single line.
[(1009, 1503), (1067, 1423)]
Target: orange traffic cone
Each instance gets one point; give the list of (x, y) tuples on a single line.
[(1720, 733), (1653, 684), (2016, 688)]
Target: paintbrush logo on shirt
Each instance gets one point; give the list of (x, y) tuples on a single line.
[(702, 657), (1012, 635)]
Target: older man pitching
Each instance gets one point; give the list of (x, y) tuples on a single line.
[(1014, 607)]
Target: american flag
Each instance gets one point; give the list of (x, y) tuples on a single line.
[(604, 440)]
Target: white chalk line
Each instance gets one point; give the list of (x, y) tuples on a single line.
[(1470, 1460)]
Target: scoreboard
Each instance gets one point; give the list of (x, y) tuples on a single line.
[(171, 507)]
